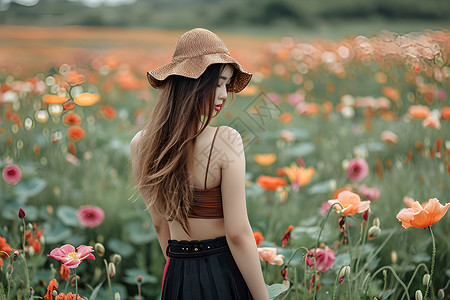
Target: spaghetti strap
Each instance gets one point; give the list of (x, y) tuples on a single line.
[(210, 151)]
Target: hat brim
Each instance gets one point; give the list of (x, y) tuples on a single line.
[(195, 66)]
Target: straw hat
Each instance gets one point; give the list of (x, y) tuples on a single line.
[(194, 52)]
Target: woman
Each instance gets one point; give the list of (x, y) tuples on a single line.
[(192, 176)]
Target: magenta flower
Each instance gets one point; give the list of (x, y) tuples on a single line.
[(71, 258), (90, 216), (357, 169), (368, 193), (324, 258), (12, 174)]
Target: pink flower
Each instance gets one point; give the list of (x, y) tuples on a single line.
[(275, 98), (357, 169), (90, 216), (324, 258), (12, 174), (389, 137), (71, 258), (431, 121), (295, 98), (269, 254), (368, 193)]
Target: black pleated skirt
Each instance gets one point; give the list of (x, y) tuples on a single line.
[(202, 270)]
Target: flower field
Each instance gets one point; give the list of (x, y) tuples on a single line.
[(347, 144)]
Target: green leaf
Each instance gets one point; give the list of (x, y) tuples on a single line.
[(67, 215), (120, 247), (139, 235), (277, 289), (57, 233), (30, 188), (300, 150), (95, 291), (131, 276), (321, 187)]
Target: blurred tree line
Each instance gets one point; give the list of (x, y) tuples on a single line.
[(180, 14)]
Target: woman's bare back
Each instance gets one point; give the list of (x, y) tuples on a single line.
[(202, 229)]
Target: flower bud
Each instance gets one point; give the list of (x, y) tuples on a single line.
[(374, 231), (376, 222), (75, 280), (55, 293), (15, 255), (394, 257), (100, 249), (419, 295), (441, 294), (111, 270), (30, 226), (116, 258), (21, 213), (426, 279), (117, 296), (139, 279), (31, 250)]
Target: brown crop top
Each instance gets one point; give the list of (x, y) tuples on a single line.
[(208, 202)]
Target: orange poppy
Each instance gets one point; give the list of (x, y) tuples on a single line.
[(418, 112), (75, 78), (422, 216), (71, 119), (54, 99), (86, 99), (285, 118), (52, 285), (299, 176), (64, 272), (270, 183), (265, 159), (391, 93), (445, 113), (351, 202), (259, 238), (108, 112), (76, 133), (4, 246)]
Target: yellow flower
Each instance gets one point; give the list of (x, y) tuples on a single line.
[(265, 159), (299, 176)]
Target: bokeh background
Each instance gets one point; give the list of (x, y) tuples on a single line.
[(338, 86)]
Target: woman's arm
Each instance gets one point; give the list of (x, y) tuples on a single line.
[(160, 223), (237, 227)]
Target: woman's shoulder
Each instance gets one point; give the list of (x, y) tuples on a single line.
[(135, 141), (230, 140)]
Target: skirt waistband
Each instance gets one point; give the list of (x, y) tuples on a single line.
[(195, 248)]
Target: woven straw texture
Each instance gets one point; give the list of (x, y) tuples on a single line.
[(195, 50)]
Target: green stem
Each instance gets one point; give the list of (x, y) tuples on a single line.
[(27, 276), (364, 237), (109, 279), (335, 282), (395, 275), (369, 260), (433, 258), (76, 284), (414, 275)]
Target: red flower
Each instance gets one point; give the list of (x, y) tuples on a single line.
[(259, 238), (71, 118), (76, 133), (108, 112), (287, 236), (5, 247), (284, 273), (270, 183)]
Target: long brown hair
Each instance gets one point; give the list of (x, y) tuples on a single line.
[(165, 152)]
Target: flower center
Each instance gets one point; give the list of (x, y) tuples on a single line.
[(73, 255)]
